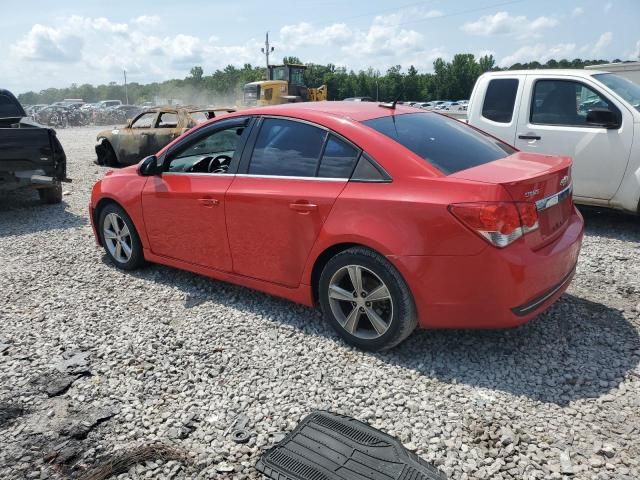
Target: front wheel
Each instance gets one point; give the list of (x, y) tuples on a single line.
[(120, 238), (366, 300)]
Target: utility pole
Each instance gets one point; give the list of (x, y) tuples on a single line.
[(267, 49), (126, 94)]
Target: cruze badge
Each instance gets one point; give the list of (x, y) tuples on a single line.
[(532, 193), (564, 181)]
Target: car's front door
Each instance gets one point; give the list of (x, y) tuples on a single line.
[(132, 143), (184, 207), (555, 123), (278, 203)]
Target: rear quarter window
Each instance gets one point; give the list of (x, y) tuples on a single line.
[(447, 144)]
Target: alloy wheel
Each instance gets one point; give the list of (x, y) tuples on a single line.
[(117, 238), (360, 301)]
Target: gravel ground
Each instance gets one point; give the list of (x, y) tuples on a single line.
[(96, 364)]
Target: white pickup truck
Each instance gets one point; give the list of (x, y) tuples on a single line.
[(589, 115)]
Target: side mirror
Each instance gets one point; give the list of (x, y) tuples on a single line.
[(603, 117), (149, 166)]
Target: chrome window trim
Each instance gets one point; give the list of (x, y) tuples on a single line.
[(293, 177), (554, 199)]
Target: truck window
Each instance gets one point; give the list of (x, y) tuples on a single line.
[(564, 102), (500, 100), (447, 144)]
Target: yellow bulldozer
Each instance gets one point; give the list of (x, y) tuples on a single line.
[(285, 84)]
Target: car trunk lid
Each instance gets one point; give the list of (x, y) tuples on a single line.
[(543, 180)]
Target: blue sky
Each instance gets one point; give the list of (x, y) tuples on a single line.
[(53, 44)]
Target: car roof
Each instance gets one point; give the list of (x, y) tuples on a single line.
[(576, 72), (359, 111)]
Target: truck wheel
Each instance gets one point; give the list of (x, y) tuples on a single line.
[(366, 300), (51, 195)]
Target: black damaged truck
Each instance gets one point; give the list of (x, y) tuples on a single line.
[(30, 155)]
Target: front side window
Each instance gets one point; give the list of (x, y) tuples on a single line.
[(287, 148), (210, 154), (447, 144), (338, 159), (565, 102), (500, 99), (144, 121)]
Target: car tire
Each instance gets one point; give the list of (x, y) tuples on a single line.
[(379, 323), (122, 245), (108, 156), (51, 195)]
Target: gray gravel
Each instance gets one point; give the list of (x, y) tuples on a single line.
[(95, 362)]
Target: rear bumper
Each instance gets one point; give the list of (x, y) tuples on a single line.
[(496, 288)]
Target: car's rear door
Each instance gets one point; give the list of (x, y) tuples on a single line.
[(289, 178)]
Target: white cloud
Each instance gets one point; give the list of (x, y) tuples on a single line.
[(146, 20), (100, 49), (578, 11), (607, 7), (379, 45), (603, 42), (47, 44), (540, 52), (504, 24), (635, 53)]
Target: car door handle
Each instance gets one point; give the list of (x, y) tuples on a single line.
[(209, 202), (303, 207), (529, 137)]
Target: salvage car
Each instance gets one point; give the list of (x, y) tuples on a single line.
[(386, 216), (149, 132), (31, 155)]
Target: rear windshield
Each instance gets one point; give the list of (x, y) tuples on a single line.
[(447, 144)]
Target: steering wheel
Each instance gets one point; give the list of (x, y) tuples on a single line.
[(219, 164), (201, 165)]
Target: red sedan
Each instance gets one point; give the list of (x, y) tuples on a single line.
[(387, 218)]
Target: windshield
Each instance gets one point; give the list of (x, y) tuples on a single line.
[(628, 90), (447, 144)]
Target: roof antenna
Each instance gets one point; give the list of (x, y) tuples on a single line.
[(391, 105)]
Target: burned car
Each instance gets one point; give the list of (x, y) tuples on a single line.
[(149, 132), (31, 155)]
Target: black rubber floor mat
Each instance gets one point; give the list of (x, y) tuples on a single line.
[(326, 446)]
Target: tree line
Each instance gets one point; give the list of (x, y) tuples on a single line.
[(449, 80)]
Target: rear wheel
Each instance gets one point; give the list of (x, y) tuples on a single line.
[(366, 300), (120, 238), (51, 195)]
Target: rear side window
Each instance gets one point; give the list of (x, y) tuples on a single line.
[(447, 144), (500, 100), (287, 148), (168, 120), (338, 159)]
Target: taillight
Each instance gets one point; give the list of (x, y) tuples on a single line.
[(500, 223)]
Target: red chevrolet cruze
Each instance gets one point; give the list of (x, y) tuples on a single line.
[(388, 218)]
